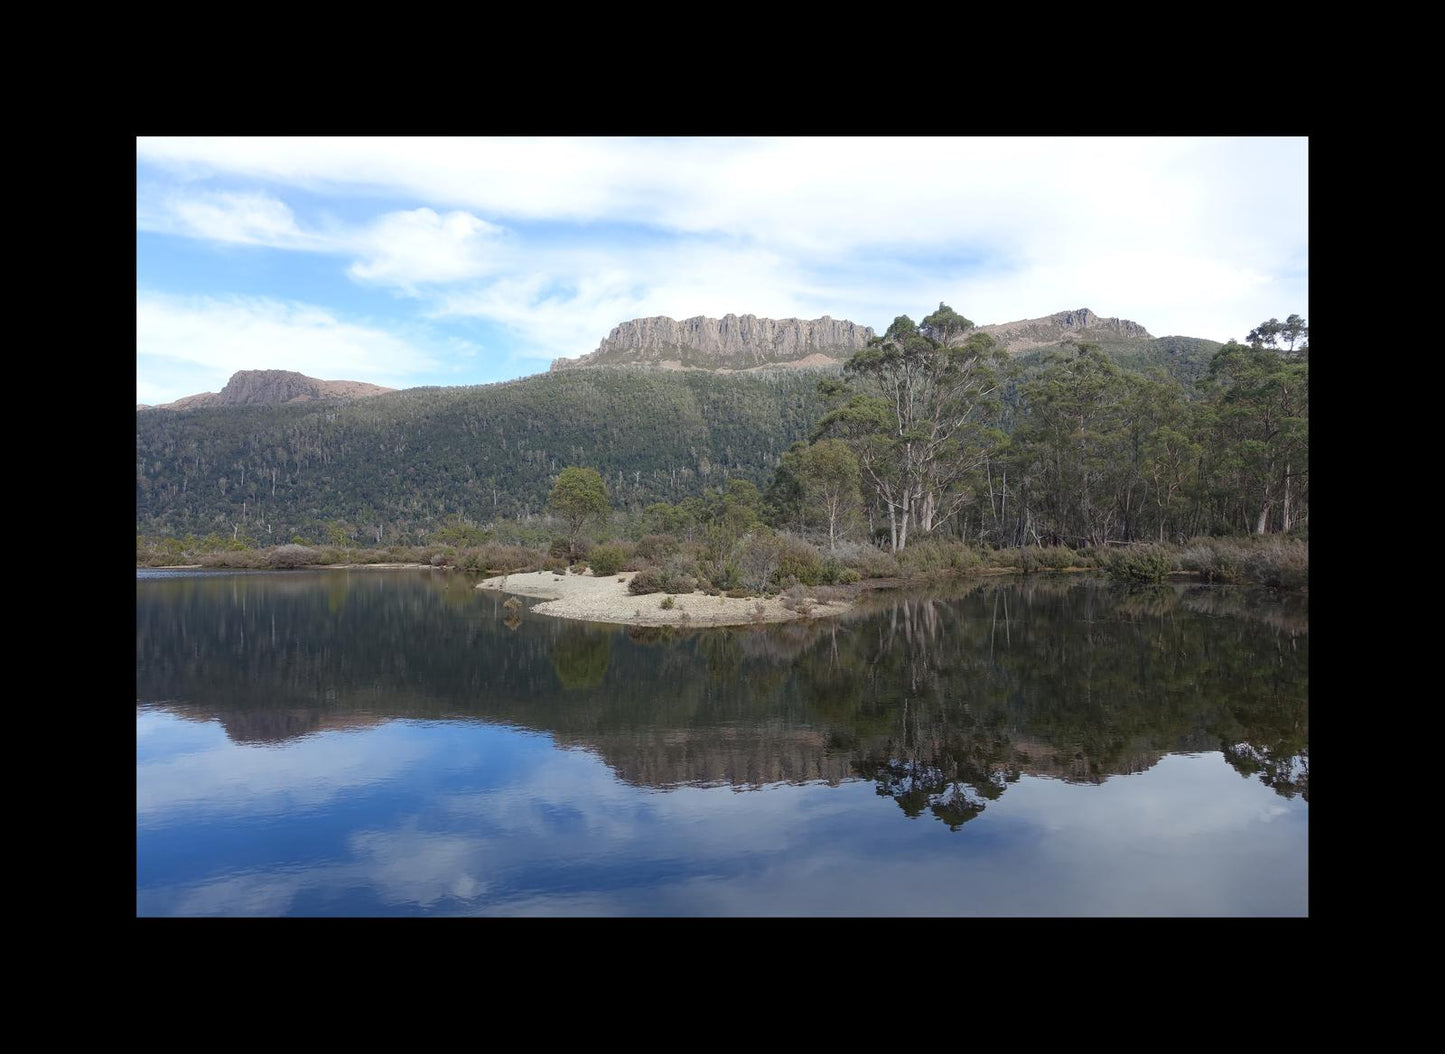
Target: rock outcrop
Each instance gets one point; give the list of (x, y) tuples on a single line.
[(1080, 324), (733, 342), (274, 386)]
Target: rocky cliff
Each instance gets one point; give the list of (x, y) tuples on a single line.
[(274, 386), (733, 342), (1080, 324)]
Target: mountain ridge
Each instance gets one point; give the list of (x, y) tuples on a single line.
[(251, 387)]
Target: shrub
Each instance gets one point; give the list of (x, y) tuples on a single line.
[(606, 559), (1284, 565), (1055, 557), (555, 563), (657, 546), (1143, 563), (293, 555), (1213, 561), (868, 561), (644, 582), (668, 603), (799, 561), (848, 576)]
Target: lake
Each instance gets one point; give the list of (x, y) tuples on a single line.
[(378, 743)]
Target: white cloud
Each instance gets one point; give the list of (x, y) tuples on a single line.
[(1198, 237), (215, 337), (402, 249), (247, 219), (409, 248)]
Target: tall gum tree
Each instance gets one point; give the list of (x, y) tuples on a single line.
[(916, 416)]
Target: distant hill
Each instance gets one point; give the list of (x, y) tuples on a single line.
[(733, 342), (1079, 324), (252, 387), (278, 454), (401, 463)]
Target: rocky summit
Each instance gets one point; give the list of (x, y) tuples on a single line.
[(733, 342), (1079, 324), (249, 387)]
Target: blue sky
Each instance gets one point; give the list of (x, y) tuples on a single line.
[(419, 261)]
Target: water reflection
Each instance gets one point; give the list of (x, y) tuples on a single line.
[(941, 701), (375, 743)]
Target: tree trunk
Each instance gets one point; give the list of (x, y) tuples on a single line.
[(1285, 509)]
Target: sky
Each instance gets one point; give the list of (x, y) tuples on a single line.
[(455, 261)]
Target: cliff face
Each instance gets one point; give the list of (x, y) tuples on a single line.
[(735, 342), (1080, 324), (274, 386)]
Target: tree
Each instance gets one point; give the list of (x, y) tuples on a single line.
[(829, 477), (1261, 400), (915, 417), (579, 497)]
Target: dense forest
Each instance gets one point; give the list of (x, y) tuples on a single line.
[(394, 468), (930, 432)]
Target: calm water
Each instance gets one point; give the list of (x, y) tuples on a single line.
[(393, 743)]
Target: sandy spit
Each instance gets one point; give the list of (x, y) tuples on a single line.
[(607, 600)]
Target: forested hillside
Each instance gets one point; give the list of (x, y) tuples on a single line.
[(394, 467)]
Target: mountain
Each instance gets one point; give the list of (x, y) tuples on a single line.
[(733, 342), (278, 454), (252, 387), (395, 466), (1079, 324)]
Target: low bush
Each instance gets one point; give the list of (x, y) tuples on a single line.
[(644, 582), (1211, 560), (1056, 557), (657, 547), (1141, 563), (1283, 564), (292, 555), (607, 559), (799, 561)]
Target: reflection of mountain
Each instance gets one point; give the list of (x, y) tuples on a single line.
[(940, 702)]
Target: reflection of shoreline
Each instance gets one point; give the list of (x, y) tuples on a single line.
[(1066, 679)]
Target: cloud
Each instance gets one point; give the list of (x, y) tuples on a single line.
[(215, 337), (559, 239), (402, 249), (406, 249), (246, 219)]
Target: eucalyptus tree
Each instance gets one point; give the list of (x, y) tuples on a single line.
[(1072, 449), (579, 497), (1261, 400), (915, 412)]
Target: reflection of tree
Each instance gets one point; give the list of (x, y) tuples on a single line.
[(1288, 773), (950, 697), (580, 657)]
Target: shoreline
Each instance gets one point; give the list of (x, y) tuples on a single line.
[(607, 600)]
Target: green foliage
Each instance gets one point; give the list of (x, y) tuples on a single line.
[(400, 466), (644, 582), (800, 562), (579, 497), (607, 559), (1144, 563), (668, 603)]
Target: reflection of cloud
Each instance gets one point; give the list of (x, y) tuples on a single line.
[(490, 820), (410, 866), (251, 780)]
